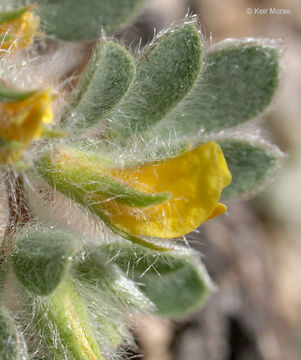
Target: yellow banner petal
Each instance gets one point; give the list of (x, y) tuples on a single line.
[(194, 179)]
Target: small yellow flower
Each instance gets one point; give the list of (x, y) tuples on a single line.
[(22, 122), (18, 28), (165, 199), (194, 180)]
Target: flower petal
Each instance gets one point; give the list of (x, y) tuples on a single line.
[(195, 181), (220, 209)]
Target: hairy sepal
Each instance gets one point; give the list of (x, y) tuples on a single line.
[(62, 322), (76, 175)]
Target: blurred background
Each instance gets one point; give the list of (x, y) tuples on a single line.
[(253, 253)]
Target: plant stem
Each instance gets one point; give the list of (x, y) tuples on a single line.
[(19, 214)]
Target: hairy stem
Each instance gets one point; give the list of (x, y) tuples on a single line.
[(19, 214)]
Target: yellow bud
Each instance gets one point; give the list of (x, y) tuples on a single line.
[(22, 122)]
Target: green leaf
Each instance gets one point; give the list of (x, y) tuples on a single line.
[(41, 259), (175, 281), (250, 165), (78, 176), (84, 19), (166, 72), (11, 95), (64, 325), (238, 82), (106, 80), (12, 345)]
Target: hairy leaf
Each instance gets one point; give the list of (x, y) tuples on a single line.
[(84, 19), (166, 72), (174, 281), (238, 82), (250, 165), (106, 80), (41, 259)]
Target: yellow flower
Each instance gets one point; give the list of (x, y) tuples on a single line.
[(194, 180), (164, 199), (18, 28), (21, 122)]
